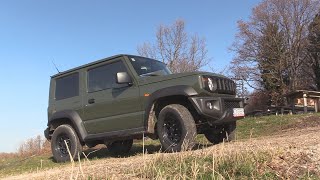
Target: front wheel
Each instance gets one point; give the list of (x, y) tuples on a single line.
[(65, 144), (176, 128), (220, 133)]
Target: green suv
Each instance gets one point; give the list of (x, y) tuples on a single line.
[(115, 100)]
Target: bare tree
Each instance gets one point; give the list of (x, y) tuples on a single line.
[(313, 50), (147, 50), (175, 47), (270, 46)]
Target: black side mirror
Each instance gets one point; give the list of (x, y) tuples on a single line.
[(123, 78)]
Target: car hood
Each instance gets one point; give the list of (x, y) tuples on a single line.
[(155, 79)]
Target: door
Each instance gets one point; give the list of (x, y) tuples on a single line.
[(111, 107)]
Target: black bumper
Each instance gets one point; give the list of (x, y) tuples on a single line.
[(46, 134), (221, 111)]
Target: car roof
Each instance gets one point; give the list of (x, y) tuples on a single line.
[(89, 64)]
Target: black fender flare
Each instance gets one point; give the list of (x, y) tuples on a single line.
[(75, 119), (182, 90)]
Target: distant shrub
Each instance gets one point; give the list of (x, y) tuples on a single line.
[(32, 146), (7, 155)]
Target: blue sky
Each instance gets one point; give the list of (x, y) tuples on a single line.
[(72, 33)]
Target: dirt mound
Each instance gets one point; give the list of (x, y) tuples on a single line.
[(304, 122)]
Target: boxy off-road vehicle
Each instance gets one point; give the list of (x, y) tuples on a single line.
[(115, 100)]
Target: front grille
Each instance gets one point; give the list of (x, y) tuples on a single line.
[(231, 104), (225, 86)]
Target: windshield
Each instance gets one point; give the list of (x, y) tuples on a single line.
[(148, 67)]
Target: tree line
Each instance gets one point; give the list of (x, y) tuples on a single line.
[(277, 50)]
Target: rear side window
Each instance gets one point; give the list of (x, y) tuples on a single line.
[(67, 87), (104, 77)]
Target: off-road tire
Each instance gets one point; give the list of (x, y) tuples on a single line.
[(120, 147), (221, 133), (59, 149), (176, 128)]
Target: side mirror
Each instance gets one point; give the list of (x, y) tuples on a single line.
[(123, 78)]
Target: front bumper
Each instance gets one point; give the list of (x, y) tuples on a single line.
[(220, 110)]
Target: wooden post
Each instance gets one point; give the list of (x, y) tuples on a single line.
[(316, 105), (292, 104), (305, 103)]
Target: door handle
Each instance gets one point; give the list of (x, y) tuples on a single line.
[(91, 101)]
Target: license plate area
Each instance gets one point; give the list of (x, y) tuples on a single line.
[(238, 112)]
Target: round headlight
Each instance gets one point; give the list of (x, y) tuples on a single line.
[(210, 84)]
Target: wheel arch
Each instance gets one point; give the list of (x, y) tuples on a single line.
[(160, 98), (70, 117)]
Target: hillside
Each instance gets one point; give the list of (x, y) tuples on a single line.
[(267, 147)]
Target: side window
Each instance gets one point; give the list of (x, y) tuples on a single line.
[(67, 87), (104, 77)]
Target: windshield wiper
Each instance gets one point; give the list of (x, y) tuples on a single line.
[(155, 73)]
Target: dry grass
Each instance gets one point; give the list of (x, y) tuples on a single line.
[(226, 163), (291, 155), (293, 152)]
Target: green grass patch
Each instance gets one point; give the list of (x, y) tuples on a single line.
[(18, 165), (254, 127)]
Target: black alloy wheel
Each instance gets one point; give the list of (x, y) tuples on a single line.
[(172, 128), (176, 128), (65, 144), (62, 142)]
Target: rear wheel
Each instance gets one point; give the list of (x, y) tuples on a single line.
[(65, 143), (218, 134), (176, 128), (120, 147)]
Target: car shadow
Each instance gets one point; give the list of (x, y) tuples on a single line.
[(136, 149), (101, 151)]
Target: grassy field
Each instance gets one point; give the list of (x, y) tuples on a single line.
[(238, 165), (246, 164), (271, 125)]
